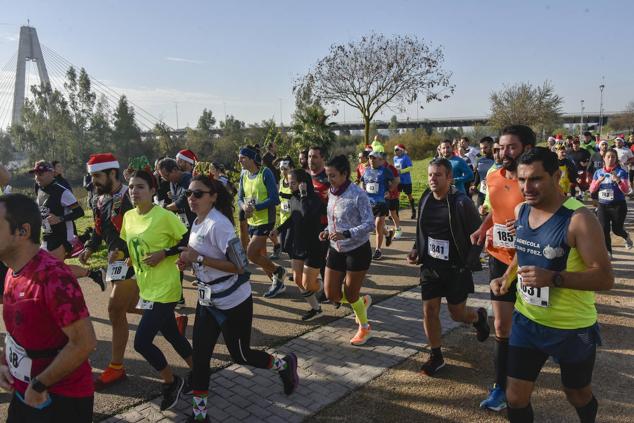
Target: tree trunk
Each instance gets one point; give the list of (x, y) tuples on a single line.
[(366, 120)]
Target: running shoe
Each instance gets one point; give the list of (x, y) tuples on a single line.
[(98, 276), (362, 336), (109, 377), (311, 314), (628, 243), (432, 365), (496, 401), (277, 284), (171, 393), (388, 237), (321, 296), (77, 247), (482, 325), (181, 323), (378, 255), (289, 375), (85, 237), (398, 234), (413, 214), (367, 301), (277, 249), (192, 419)]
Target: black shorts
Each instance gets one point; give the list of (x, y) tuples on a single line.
[(453, 284), (61, 409), (380, 210), (357, 260), (393, 204), (242, 216), (261, 230), (314, 259), (54, 243), (406, 188), (497, 269)]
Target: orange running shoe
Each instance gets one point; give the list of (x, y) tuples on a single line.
[(362, 336), (181, 323), (109, 377)]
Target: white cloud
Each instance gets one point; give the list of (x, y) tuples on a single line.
[(183, 60)]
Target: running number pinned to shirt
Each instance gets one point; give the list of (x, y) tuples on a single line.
[(145, 304), (286, 206), (502, 237), (117, 271), (534, 296), (204, 294), (606, 195), (17, 360), (372, 187), (183, 218), (46, 227), (438, 248)]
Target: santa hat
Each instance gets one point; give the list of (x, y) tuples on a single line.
[(188, 156), (102, 161), (399, 147), (559, 137)]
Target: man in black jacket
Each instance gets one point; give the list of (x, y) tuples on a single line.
[(446, 218)]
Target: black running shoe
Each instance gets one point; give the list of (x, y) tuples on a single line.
[(321, 296), (311, 314), (289, 375), (432, 365), (482, 325), (85, 237), (388, 237), (277, 249), (171, 393), (99, 276)]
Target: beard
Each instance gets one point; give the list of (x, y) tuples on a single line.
[(105, 189), (510, 163)]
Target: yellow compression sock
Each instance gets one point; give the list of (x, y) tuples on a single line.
[(359, 310)]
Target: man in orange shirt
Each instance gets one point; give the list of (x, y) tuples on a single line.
[(503, 195)]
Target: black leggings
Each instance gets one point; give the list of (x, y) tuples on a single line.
[(615, 214), (236, 330), (160, 318), (61, 409)]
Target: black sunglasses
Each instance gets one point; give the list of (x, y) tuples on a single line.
[(196, 194)]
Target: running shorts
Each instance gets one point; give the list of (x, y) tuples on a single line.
[(453, 284), (406, 188), (380, 210), (393, 204), (261, 230), (356, 260)]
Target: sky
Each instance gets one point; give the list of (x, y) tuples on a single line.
[(172, 59)]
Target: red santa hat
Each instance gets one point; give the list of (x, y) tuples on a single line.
[(188, 156), (399, 147), (102, 161), (559, 137)]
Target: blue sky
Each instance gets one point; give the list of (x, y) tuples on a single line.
[(241, 57)]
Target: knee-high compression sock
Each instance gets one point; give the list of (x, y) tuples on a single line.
[(344, 300), (199, 405), (588, 413), (311, 299), (360, 311), (501, 356), (520, 415)]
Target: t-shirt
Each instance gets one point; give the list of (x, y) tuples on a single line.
[(321, 185), (403, 162), (624, 154), (39, 301), (211, 238), (597, 161), (376, 182), (148, 233), (579, 156), (440, 250), (393, 194)]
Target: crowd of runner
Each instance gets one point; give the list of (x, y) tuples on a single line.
[(509, 206)]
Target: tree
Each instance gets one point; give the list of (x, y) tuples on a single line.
[(625, 120), (376, 72), (536, 106), (393, 126), (206, 121), (126, 135), (310, 125)]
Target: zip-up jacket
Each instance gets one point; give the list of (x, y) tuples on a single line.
[(108, 215), (464, 220), (350, 211)]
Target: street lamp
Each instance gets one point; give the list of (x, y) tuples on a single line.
[(601, 87), (581, 123)]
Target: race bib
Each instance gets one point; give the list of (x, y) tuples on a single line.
[(46, 227), (204, 294), (18, 362), (606, 195), (286, 206), (438, 249), (144, 304), (533, 296), (502, 237), (117, 271), (398, 166), (372, 187), (483, 187), (183, 218)]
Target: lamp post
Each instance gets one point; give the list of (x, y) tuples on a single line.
[(581, 123), (601, 87)]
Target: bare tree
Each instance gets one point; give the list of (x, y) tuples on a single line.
[(377, 71), (525, 104)]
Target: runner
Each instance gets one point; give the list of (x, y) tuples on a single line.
[(179, 181), (286, 166), (153, 235), (462, 173), (581, 159), (350, 221), (392, 200), (186, 160), (560, 261), (219, 172), (303, 159), (377, 145), (404, 165), (49, 334), (58, 171), (302, 241), (257, 197), (446, 219), (5, 177), (588, 142), (568, 177), (466, 150), (111, 203), (503, 194), (225, 302), (163, 187), (484, 162), (59, 209), (626, 157), (611, 184), (362, 165), (317, 170)]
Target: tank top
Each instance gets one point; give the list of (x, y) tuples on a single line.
[(547, 247)]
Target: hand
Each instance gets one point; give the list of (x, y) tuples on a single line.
[(483, 210), (337, 236), (478, 237), (53, 220), (85, 255), (115, 255), (498, 286), (602, 178), (153, 259), (489, 238), (181, 264), (274, 233), (6, 380), (412, 257), (323, 236), (510, 226), (188, 255), (302, 189), (615, 178), (34, 399), (536, 277)]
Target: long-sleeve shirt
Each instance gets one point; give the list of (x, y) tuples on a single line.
[(271, 200), (350, 211), (462, 173)]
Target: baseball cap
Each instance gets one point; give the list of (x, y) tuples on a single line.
[(376, 154), (41, 166)]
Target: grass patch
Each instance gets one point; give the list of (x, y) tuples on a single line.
[(419, 182)]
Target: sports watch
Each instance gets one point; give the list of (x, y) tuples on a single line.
[(558, 280), (38, 386)]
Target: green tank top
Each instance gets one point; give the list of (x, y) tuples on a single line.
[(255, 191), (285, 205)]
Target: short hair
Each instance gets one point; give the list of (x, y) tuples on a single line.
[(322, 150), (340, 163), (442, 162), (168, 165), (55, 163), (446, 141), (523, 132), (486, 140), (20, 209), (146, 176), (541, 154), (587, 134), (466, 138)]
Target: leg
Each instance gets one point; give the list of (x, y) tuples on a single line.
[(170, 332), (333, 282), (380, 231), (618, 220), (298, 271), (461, 313), (124, 296), (254, 252), (244, 230), (309, 278), (604, 217), (524, 366), (518, 396), (395, 218), (576, 379), (149, 326), (431, 322)]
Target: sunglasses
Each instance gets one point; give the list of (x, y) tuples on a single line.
[(196, 194)]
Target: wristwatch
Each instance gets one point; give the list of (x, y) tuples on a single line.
[(347, 234), (200, 259), (558, 280), (38, 386)]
